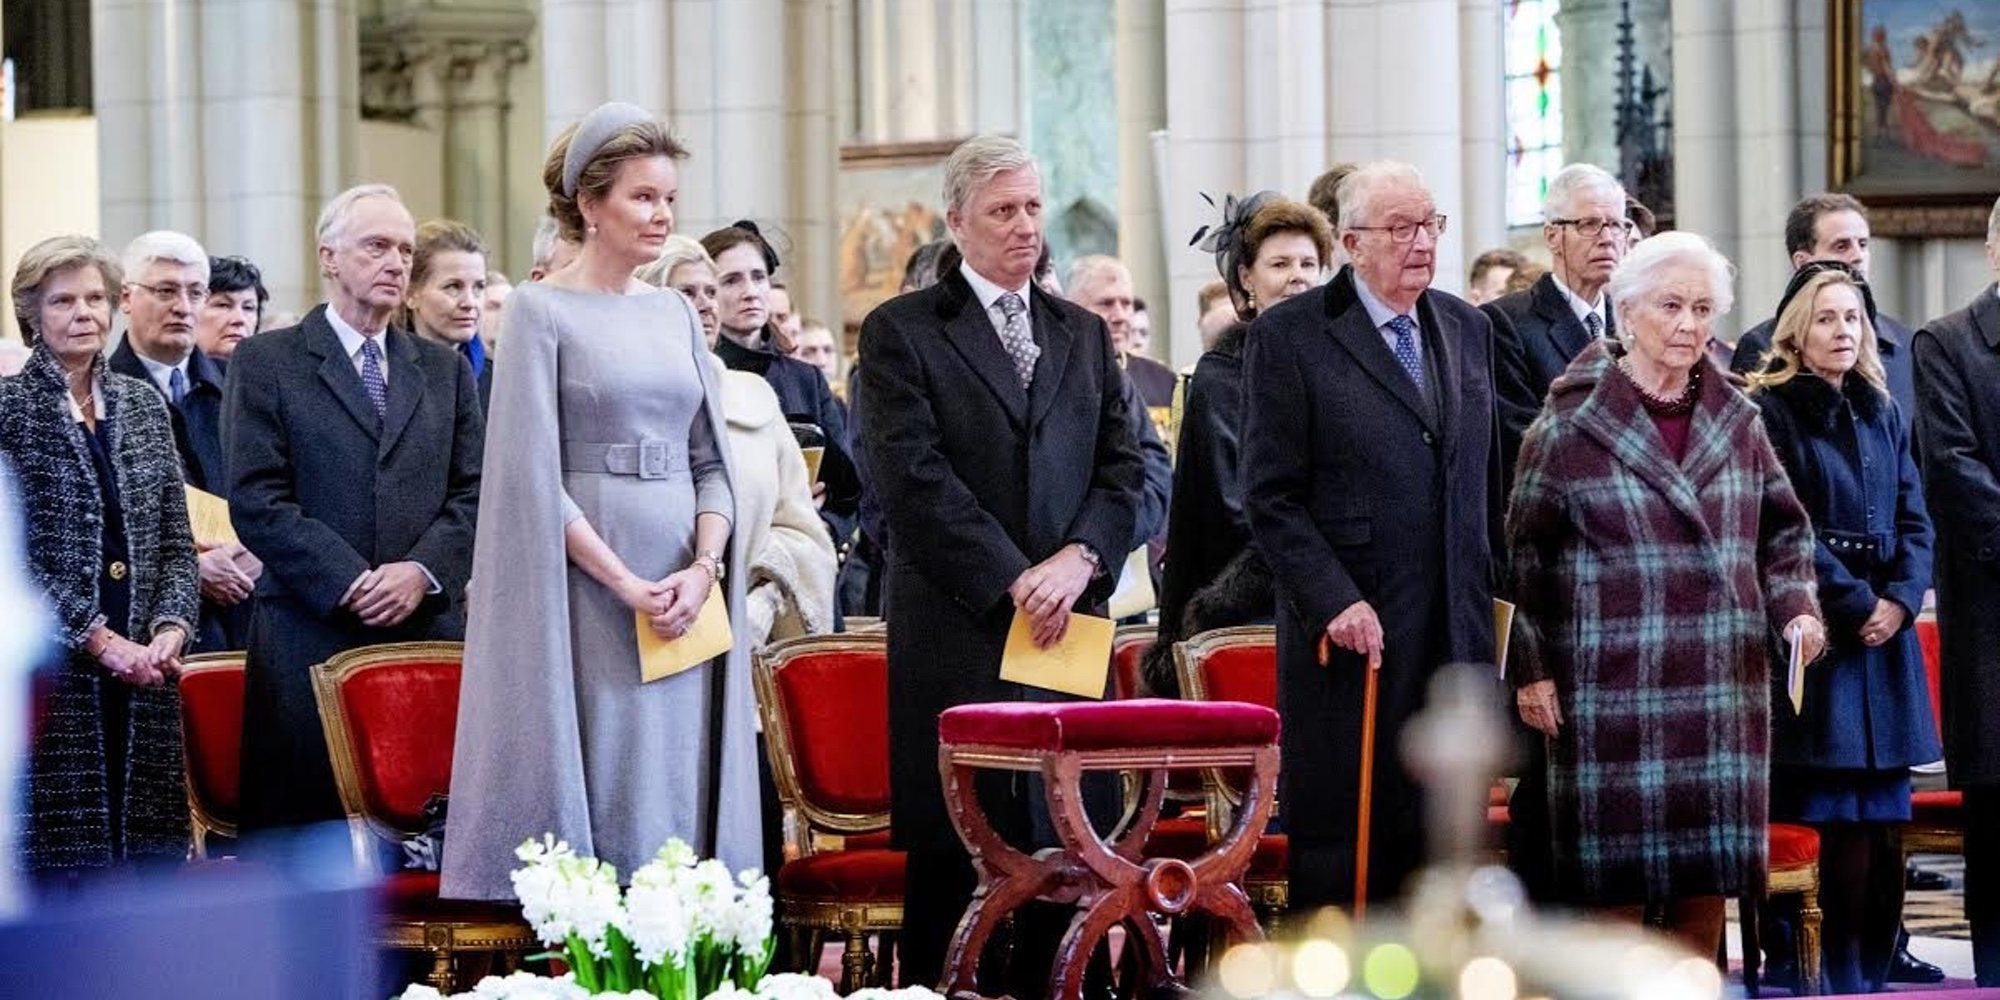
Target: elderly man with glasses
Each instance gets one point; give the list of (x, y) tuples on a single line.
[(166, 285), (1538, 332), (1367, 457)]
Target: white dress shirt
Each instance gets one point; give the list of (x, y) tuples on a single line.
[(1584, 310), (989, 295), (1380, 314), (163, 375), (350, 341)]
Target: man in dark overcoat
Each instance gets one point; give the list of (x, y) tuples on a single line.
[(995, 425), (1958, 440), (1539, 331), (354, 454), (166, 279), (1368, 453)]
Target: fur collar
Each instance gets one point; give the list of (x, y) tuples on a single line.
[(1818, 403)]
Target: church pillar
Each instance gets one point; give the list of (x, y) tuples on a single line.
[(748, 85), (247, 111), (1140, 59), (448, 68)]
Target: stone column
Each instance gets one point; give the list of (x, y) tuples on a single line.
[(448, 68), (237, 144), (747, 84), (1705, 130), (1140, 58), (1481, 215)]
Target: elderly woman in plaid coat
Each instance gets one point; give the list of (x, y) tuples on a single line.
[(1656, 547)]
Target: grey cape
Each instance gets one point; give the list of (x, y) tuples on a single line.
[(555, 732)]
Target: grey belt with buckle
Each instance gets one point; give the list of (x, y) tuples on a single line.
[(646, 459)]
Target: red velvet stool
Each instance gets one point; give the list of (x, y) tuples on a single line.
[(1109, 882)]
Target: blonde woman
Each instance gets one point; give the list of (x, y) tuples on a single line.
[(1841, 763)]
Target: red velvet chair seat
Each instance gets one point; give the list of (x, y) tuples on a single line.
[(873, 840), (1793, 845), (1937, 806), (413, 895), (836, 705), (1117, 725), (402, 723), (844, 876)]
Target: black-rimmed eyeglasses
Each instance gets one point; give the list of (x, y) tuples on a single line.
[(1591, 228), (1406, 232)]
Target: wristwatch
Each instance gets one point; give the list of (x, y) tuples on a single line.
[(1090, 556), (713, 561)]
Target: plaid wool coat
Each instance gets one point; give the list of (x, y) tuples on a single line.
[(1648, 591)]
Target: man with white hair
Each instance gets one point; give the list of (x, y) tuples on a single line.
[(1103, 285), (354, 452), (997, 433), (166, 284), (1958, 434), (1536, 333), (1367, 454)]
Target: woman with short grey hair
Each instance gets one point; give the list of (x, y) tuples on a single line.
[(1656, 549), (110, 546)]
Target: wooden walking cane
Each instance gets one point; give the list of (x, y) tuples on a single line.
[(1367, 797)]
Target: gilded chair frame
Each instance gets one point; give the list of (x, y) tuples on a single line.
[(1803, 880), (444, 940), (202, 821), (1269, 896), (810, 827), (1128, 633)]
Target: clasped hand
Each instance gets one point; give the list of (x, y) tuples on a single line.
[(228, 573), (386, 595), (670, 605), (143, 666), (1047, 590)]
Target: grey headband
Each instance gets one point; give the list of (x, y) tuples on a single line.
[(592, 133)]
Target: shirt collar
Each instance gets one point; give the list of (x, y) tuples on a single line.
[(350, 338), (163, 373), (987, 292), (1576, 303), (1378, 311), (96, 400)]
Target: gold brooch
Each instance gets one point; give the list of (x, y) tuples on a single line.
[(116, 570)]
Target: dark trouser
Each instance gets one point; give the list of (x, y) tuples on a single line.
[(1982, 879), (1528, 833), (1861, 894)]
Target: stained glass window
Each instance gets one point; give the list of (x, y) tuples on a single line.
[(1534, 106)]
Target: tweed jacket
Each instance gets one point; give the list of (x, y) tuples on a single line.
[(1649, 591), (68, 820)]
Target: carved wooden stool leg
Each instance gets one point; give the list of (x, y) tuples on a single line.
[(1808, 943)]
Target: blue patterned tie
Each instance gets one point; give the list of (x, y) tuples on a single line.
[(1015, 338), (1595, 324), (177, 387), (1406, 348), (371, 374)]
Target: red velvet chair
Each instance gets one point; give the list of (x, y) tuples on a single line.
[(1793, 868), (1239, 664), (390, 714), (824, 701), (1937, 815), (211, 687), (1128, 648)]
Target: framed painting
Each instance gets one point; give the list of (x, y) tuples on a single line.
[(1915, 112), (890, 203)]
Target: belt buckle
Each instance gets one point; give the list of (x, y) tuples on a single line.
[(116, 570), (653, 460)]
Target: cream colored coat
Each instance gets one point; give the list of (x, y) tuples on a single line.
[(791, 559)]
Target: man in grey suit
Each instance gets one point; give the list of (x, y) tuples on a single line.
[(1367, 473), (1538, 332), (994, 419), (354, 454)]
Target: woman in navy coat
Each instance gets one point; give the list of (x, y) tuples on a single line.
[(1841, 763)]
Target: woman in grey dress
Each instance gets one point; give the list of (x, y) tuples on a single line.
[(605, 501)]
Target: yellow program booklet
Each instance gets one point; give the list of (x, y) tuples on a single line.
[(708, 638), (1077, 664), (208, 515)]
